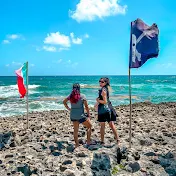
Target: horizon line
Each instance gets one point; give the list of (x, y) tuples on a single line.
[(86, 75)]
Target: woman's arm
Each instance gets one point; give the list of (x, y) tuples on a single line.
[(87, 108), (104, 101), (65, 104)]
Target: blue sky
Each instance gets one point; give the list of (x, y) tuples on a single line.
[(82, 37)]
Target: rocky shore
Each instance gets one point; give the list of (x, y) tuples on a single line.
[(47, 147)]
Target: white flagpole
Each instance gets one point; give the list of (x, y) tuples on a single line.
[(129, 76), (27, 105)]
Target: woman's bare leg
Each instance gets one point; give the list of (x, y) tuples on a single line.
[(76, 128), (112, 126), (88, 125), (102, 131)]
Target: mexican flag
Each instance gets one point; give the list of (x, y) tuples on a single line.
[(22, 79)]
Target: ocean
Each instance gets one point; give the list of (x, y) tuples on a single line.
[(47, 92)]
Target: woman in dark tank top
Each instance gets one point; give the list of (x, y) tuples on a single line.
[(106, 112)]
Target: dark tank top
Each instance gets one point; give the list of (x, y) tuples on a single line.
[(103, 108)]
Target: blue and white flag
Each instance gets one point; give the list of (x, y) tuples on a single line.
[(143, 44)]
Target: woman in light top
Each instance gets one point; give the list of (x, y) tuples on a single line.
[(106, 112), (78, 102)]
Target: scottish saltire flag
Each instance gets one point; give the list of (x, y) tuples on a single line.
[(143, 44), (21, 80)]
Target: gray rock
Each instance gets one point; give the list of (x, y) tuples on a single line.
[(9, 156), (70, 148), (164, 162), (80, 164), (63, 168), (136, 156), (24, 168), (69, 172), (133, 167), (60, 145), (171, 170), (150, 154), (101, 161), (30, 146), (145, 142), (67, 162), (81, 154), (93, 147), (56, 153), (5, 139), (156, 172), (169, 155), (155, 160)]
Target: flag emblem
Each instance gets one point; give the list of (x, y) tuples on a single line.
[(143, 44)]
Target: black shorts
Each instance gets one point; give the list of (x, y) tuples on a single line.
[(80, 120), (106, 117)]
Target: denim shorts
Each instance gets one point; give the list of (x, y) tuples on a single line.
[(82, 120)]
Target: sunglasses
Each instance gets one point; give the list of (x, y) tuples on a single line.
[(101, 82)]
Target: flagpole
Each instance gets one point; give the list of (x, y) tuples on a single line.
[(129, 77), (27, 105)]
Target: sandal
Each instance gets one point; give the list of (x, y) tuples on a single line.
[(92, 143), (80, 149)]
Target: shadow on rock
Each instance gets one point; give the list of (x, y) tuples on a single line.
[(101, 164), (25, 169), (167, 161), (5, 139), (96, 145)]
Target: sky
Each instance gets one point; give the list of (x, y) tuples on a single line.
[(82, 37)]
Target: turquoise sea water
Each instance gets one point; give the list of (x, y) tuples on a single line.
[(47, 92)]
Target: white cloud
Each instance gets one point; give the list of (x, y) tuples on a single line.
[(61, 49), (86, 36), (169, 65), (49, 48), (89, 10), (11, 37), (166, 65), (57, 39), (14, 36), (17, 63), (6, 41), (70, 64), (77, 41), (62, 40)]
